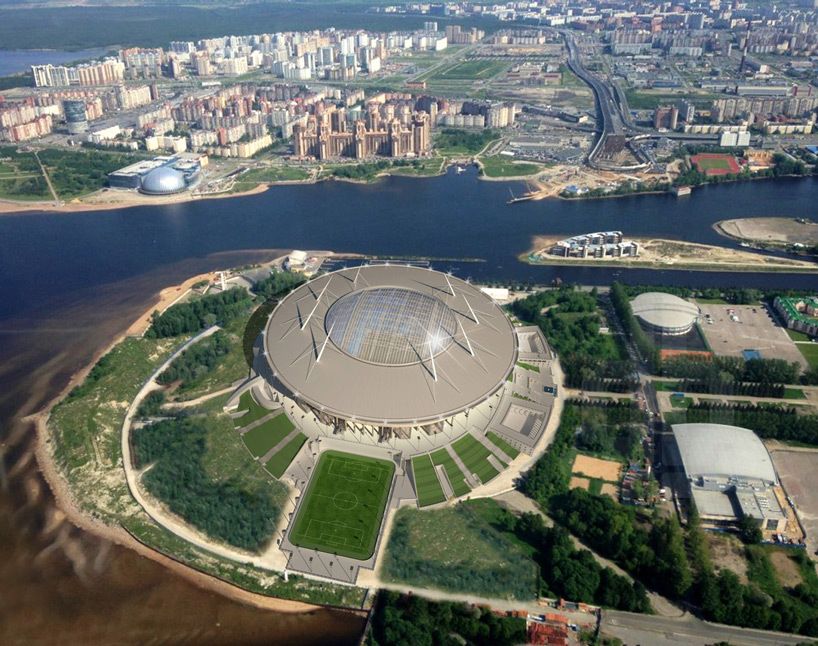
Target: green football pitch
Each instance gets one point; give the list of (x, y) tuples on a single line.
[(343, 507)]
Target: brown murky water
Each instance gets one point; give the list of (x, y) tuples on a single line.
[(61, 585)]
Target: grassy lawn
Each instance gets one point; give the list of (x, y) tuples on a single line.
[(424, 168), (268, 175), (680, 402), (504, 446), (282, 458), (794, 393), (475, 456), (528, 366), (427, 485), (795, 335), (343, 507), (456, 479), (451, 141), (472, 70), (458, 549), (252, 411), (665, 386), (267, 435), (504, 166), (810, 352)]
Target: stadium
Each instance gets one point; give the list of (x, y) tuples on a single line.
[(665, 314), (383, 350)]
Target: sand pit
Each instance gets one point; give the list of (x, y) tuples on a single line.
[(607, 470), (579, 483)]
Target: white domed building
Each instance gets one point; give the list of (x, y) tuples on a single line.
[(164, 180)]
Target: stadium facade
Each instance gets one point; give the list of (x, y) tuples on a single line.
[(387, 350), (665, 314)]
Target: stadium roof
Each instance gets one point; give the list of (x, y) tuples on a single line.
[(663, 310), (389, 345), (719, 450)]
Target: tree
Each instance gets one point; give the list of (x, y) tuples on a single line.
[(749, 530)]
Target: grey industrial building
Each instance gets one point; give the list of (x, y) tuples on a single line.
[(729, 475)]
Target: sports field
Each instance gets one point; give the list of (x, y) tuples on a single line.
[(342, 510), (715, 164)]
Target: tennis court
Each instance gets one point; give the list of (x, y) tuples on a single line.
[(343, 507)]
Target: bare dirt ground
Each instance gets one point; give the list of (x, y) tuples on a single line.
[(727, 553), (579, 483), (781, 230), (785, 569), (669, 253), (798, 471), (595, 468), (755, 329)]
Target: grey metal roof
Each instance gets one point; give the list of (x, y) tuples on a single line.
[(351, 343), (722, 450), (391, 326), (664, 310), (163, 181)]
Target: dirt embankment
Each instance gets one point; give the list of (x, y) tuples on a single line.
[(775, 231)]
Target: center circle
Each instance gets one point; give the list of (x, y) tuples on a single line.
[(345, 500), (390, 326)]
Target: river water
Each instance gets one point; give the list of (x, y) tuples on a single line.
[(69, 282)]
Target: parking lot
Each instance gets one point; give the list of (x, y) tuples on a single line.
[(752, 327)]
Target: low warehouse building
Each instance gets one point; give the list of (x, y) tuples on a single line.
[(730, 475), (665, 313)]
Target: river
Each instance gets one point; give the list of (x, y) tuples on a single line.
[(70, 282)]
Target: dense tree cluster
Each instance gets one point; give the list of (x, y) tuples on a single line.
[(221, 509), (643, 342), (152, 404), (102, 368), (716, 385), (277, 284), (200, 313), (589, 359), (769, 421), (366, 170), (197, 360), (409, 620), (574, 574), (731, 369), (656, 556)]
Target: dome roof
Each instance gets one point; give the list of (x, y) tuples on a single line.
[(390, 326), (665, 311), (163, 180)]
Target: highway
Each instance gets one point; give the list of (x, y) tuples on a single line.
[(636, 629)]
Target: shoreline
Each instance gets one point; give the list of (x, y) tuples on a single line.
[(67, 504), (726, 259), (13, 207)]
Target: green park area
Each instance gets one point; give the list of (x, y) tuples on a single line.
[(427, 485), (470, 70), (260, 439), (475, 456), (282, 458), (451, 141), (268, 175), (501, 444), (342, 509), (810, 352), (505, 166), (455, 476), (457, 549)]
